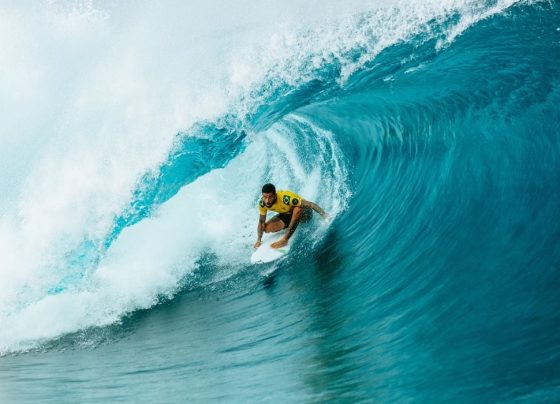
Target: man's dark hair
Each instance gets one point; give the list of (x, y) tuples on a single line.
[(268, 189)]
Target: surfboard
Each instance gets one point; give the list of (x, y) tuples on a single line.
[(265, 253)]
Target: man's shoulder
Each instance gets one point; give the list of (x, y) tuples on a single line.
[(288, 197), (286, 192)]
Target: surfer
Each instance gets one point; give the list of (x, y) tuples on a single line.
[(291, 209)]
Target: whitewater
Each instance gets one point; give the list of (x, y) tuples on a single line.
[(135, 138)]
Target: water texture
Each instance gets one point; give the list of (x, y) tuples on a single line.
[(135, 139)]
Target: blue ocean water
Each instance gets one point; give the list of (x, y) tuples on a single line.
[(430, 135)]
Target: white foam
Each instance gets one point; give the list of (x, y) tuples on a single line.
[(216, 213)]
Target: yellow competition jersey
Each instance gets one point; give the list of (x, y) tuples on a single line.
[(285, 202)]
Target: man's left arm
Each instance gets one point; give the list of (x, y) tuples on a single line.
[(315, 207)]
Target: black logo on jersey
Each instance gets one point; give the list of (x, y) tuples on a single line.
[(261, 202), (286, 200), (295, 201)]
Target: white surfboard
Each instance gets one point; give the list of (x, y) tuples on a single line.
[(265, 253)]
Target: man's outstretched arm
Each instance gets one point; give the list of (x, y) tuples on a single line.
[(315, 207)]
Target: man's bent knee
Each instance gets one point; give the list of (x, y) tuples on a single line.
[(268, 228)]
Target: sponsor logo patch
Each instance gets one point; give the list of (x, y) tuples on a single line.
[(295, 201), (261, 203), (286, 200)]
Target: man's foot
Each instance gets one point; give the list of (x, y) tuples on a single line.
[(279, 244)]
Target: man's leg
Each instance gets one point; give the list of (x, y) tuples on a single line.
[(292, 225), (296, 216), (273, 225)]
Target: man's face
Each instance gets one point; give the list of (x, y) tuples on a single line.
[(269, 199)]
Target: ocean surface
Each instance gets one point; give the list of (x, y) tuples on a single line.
[(135, 137)]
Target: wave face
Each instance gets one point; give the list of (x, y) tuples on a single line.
[(429, 132)]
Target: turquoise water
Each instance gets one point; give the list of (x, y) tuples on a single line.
[(428, 131)]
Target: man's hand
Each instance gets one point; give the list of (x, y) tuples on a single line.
[(257, 244), (280, 243)]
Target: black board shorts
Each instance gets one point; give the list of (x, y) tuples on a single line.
[(287, 217)]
